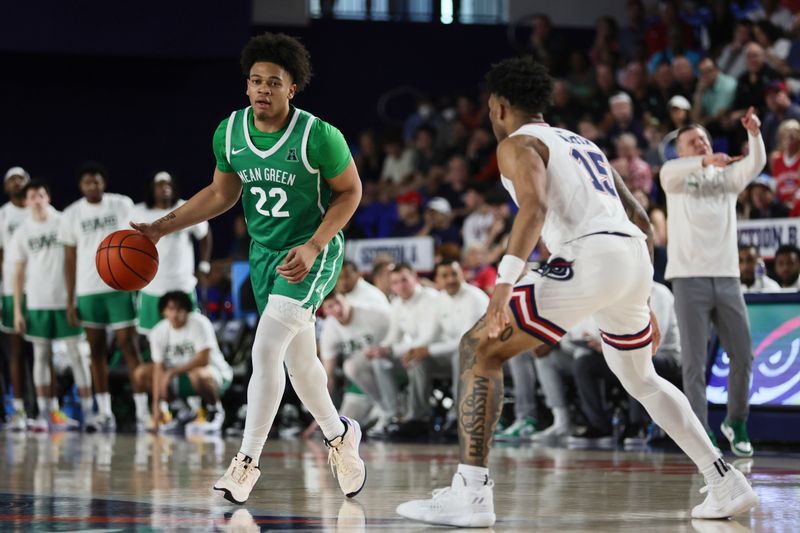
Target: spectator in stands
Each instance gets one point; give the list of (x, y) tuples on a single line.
[(523, 381), (765, 204), (410, 220), (377, 213), (605, 48), (398, 164), (482, 156), (634, 82), (368, 160), (455, 180), (781, 110), (546, 45), (468, 112), (683, 73), (660, 91), (357, 290), (785, 162), (439, 222), (636, 173), (750, 85), (350, 330), (701, 189), (787, 266), (588, 129), (631, 37), (565, 112), (477, 223), (554, 368), (713, 96), (720, 26), (500, 229), (731, 60), (776, 47), (412, 325), (457, 308), (425, 154), (658, 218), (772, 11), (680, 112), (580, 76), (476, 270), (623, 120), (605, 87), (381, 276), (657, 36), (425, 114), (753, 273)]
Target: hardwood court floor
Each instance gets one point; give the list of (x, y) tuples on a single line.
[(73, 482)]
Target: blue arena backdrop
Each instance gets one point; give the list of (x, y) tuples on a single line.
[(242, 299), (775, 326)]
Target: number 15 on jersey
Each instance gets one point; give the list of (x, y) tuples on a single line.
[(596, 166)]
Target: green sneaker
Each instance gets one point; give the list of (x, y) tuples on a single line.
[(521, 430), (736, 432)]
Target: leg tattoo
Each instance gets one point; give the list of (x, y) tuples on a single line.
[(480, 400)]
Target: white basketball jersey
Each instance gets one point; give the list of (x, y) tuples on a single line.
[(580, 193)]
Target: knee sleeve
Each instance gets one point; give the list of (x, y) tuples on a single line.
[(78, 363), (289, 313), (42, 355)]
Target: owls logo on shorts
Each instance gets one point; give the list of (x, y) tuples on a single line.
[(557, 268)]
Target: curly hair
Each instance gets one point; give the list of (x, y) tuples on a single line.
[(282, 50), (523, 81)]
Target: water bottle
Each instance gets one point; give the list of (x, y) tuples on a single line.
[(761, 271)]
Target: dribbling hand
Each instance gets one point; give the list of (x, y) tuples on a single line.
[(148, 230)]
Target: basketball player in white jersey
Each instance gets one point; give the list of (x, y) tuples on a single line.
[(12, 214), (569, 196), (40, 306)]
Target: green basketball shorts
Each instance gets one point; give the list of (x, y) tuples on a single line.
[(184, 386), (115, 309), (49, 324), (310, 292), (7, 323)]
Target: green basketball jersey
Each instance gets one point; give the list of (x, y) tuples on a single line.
[(284, 174)]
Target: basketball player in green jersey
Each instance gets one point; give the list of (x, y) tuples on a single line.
[(299, 187)]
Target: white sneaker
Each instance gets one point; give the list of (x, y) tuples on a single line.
[(347, 467), (240, 478), (554, 432), (732, 496), (456, 505), (101, 423), (144, 424), (39, 425), (18, 422)]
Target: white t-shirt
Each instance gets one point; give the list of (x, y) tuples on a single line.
[(367, 294), (476, 228), (765, 284), (413, 322), (85, 226), (580, 194), (36, 244), (368, 326), (175, 347), (701, 202), (175, 252), (11, 217), (456, 315)]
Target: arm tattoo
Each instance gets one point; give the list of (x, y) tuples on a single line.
[(165, 218)]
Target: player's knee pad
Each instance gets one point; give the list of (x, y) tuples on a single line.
[(42, 354), (289, 313)]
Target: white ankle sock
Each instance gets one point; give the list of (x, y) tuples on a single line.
[(54, 404), (43, 404), (86, 406), (103, 403), (475, 476), (19, 404), (716, 471), (140, 400), (561, 417)]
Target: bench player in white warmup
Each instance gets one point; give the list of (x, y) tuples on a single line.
[(568, 195)]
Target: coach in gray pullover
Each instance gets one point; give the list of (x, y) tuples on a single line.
[(702, 263)]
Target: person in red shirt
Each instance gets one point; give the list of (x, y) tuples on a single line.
[(786, 162)]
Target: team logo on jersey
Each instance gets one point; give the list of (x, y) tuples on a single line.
[(557, 268), (292, 154)]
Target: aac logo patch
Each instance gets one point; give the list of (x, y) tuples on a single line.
[(292, 154)]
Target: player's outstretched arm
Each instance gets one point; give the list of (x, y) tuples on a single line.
[(520, 161), (213, 200), (634, 210)]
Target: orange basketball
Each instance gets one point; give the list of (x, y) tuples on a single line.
[(126, 260)]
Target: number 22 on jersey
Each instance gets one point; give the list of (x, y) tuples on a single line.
[(595, 165), (277, 209)]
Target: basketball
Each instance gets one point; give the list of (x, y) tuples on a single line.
[(126, 260)]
